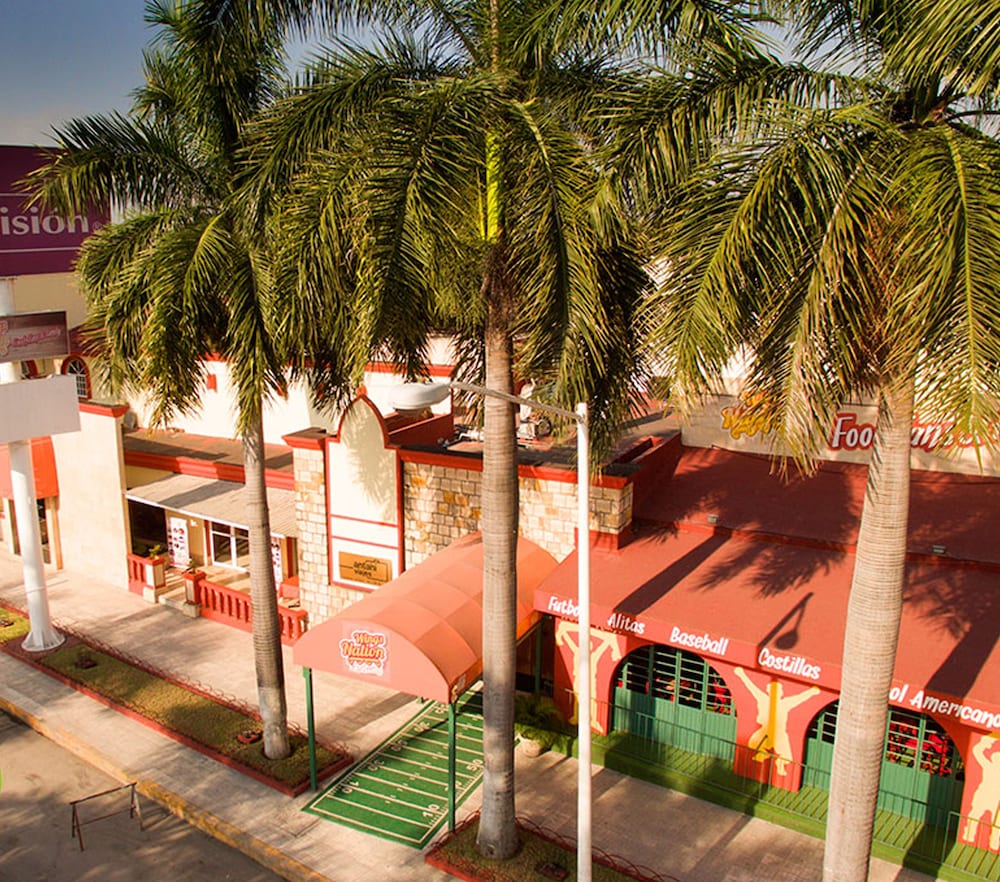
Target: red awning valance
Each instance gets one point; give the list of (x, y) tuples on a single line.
[(422, 633), (779, 606), (44, 461)]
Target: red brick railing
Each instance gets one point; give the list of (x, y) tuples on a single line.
[(145, 572), (232, 607)]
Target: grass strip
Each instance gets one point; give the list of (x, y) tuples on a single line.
[(541, 856), (12, 625), (220, 729)]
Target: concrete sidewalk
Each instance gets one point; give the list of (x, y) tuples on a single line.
[(678, 835)]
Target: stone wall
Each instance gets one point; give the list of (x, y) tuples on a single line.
[(443, 503), (309, 460)]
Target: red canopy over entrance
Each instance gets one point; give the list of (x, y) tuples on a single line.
[(422, 633)]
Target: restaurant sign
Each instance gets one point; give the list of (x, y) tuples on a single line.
[(32, 239), (849, 432), (369, 570), (925, 701), (26, 336), (365, 652)]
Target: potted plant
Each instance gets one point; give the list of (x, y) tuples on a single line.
[(156, 567), (536, 721)]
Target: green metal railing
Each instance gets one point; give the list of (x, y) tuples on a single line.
[(908, 830)]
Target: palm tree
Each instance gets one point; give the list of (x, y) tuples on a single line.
[(852, 250), (182, 277), (445, 178)]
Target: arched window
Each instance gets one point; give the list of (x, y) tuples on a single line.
[(77, 368)]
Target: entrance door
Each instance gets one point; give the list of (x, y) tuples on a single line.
[(675, 698), (921, 769)]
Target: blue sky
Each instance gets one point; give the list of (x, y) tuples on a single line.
[(61, 59), (65, 58)]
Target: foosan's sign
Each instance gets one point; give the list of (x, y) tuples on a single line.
[(26, 336), (34, 240), (735, 424)]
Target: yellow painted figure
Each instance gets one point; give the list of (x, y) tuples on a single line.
[(986, 799), (568, 634), (773, 708)]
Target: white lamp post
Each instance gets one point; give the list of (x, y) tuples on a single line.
[(410, 396), (42, 635)]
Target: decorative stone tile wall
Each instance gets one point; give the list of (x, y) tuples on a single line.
[(311, 518), (443, 503)]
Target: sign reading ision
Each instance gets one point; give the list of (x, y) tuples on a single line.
[(35, 240), (29, 335), (370, 570)]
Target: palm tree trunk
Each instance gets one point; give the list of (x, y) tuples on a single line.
[(264, 599), (497, 835), (871, 635)]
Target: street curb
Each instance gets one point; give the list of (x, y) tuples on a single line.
[(268, 856)]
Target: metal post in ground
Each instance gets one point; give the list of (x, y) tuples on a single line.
[(311, 723)]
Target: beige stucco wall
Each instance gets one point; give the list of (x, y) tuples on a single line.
[(92, 512), (216, 417), (50, 291)]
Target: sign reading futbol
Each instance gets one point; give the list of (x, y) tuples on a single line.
[(35, 240)]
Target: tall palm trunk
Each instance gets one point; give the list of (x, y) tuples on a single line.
[(872, 632), (264, 598), (497, 835)]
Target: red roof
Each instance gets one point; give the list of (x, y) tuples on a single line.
[(775, 571)]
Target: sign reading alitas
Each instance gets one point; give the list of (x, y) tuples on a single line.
[(26, 336), (33, 240)]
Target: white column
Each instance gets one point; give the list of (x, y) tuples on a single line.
[(42, 635)]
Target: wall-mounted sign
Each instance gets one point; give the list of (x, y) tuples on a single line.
[(29, 335), (370, 570), (33, 240)]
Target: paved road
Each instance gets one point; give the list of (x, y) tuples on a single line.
[(38, 781)]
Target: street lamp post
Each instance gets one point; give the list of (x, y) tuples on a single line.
[(41, 635), (411, 395)]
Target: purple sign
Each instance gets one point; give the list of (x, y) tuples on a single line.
[(34, 241), (28, 335)]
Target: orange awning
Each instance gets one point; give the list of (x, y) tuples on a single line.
[(422, 633), (44, 461)]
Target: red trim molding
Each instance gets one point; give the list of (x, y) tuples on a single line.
[(111, 410), (473, 462), (200, 468), (306, 439)]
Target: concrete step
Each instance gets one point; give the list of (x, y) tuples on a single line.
[(175, 598)]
